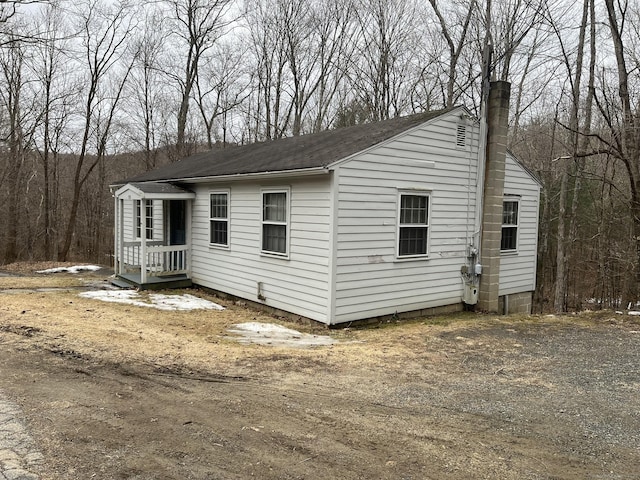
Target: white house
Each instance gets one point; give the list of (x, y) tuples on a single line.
[(339, 226)]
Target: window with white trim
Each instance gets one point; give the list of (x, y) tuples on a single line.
[(148, 210), (219, 219), (509, 240), (275, 222), (413, 225)]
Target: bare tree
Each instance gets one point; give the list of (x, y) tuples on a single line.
[(574, 66), (460, 26), (505, 24), (104, 33), (271, 115), (333, 28), (220, 87), (9, 8), (387, 33), (56, 95), (199, 24), (12, 63), (623, 117), (147, 98)]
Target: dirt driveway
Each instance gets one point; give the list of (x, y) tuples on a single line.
[(114, 391)]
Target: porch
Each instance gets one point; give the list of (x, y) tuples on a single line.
[(152, 236)]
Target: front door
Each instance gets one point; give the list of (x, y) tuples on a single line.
[(177, 222)]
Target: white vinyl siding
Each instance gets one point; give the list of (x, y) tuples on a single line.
[(370, 279), (518, 268), (299, 285)]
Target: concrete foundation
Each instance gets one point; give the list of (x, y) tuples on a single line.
[(516, 303)]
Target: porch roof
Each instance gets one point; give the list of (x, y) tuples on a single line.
[(154, 191)]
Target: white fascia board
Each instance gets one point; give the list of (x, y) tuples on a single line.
[(169, 196), (138, 194), (135, 192)]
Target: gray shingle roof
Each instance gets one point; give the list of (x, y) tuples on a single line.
[(287, 154), (152, 187)]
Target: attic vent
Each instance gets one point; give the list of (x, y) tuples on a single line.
[(461, 136)]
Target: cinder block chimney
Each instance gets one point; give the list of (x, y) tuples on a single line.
[(491, 229)]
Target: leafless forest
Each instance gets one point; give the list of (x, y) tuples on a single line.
[(93, 91)]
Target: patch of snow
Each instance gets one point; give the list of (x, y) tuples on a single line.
[(75, 269), (183, 302), (633, 313), (276, 335)]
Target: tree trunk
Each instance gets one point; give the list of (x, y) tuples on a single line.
[(630, 143)]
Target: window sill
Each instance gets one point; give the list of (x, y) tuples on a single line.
[(219, 247), (412, 258), (281, 256), (508, 253)]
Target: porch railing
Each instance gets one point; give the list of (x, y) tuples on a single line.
[(157, 260), (167, 260)]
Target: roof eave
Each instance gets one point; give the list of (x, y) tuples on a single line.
[(304, 172)]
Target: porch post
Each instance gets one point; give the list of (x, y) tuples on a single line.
[(116, 234), (143, 240), (188, 236), (121, 210)]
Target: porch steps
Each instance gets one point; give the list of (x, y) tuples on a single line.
[(153, 283), (120, 283)]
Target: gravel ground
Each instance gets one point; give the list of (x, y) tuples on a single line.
[(583, 380), (18, 452)]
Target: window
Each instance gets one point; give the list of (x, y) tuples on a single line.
[(509, 225), (413, 225), (219, 219), (274, 222), (148, 210)]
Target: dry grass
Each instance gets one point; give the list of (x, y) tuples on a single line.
[(194, 340), (197, 341)]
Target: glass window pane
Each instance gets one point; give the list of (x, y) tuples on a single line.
[(274, 238), (510, 213), (149, 220), (508, 241), (413, 241), (138, 220), (219, 205), (413, 209), (219, 232), (274, 207)]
